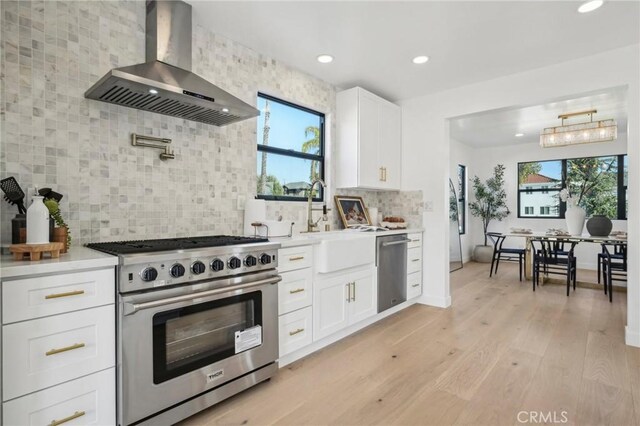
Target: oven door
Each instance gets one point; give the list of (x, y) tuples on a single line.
[(177, 343)]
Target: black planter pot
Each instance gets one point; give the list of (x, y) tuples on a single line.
[(599, 226)]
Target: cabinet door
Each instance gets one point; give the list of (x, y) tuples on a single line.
[(364, 296), (329, 306), (369, 173), (390, 144)]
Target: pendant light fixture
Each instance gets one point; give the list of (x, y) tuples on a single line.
[(579, 133)]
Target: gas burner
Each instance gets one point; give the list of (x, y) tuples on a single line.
[(167, 244)]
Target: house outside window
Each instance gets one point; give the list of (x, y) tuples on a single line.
[(540, 182), (290, 150)]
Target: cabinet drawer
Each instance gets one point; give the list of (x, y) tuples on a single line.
[(295, 291), (414, 285), (44, 352), (55, 294), (295, 330), (414, 260), (90, 400), (292, 258), (416, 240)]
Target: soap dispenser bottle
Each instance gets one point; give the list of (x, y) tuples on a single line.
[(37, 220)]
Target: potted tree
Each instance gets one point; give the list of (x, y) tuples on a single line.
[(490, 203)]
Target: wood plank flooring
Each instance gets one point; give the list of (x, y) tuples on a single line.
[(501, 349)]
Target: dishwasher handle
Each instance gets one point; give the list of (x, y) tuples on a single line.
[(395, 243)]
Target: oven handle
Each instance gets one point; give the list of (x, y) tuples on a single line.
[(132, 308)]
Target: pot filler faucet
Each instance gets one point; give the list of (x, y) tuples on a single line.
[(311, 225)]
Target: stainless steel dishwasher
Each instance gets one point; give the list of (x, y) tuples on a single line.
[(391, 260)]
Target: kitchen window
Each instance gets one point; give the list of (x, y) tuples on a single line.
[(462, 198), (290, 145), (540, 182)]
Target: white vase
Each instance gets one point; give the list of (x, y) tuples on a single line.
[(37, 222), (575, 217)]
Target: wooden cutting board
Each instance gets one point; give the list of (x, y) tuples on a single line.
[(34, 251)]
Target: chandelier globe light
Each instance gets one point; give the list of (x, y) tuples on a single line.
[(579, 133)]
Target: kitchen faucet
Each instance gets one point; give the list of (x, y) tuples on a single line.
[(311, 225)]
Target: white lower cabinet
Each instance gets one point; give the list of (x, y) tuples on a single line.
[(414, 266), (343, 300), (48, 351), (295, 290), (295, 330), (89, 400)]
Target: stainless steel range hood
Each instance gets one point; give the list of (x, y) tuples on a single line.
[(165, 83)]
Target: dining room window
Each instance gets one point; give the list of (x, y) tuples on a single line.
[(600, 184)]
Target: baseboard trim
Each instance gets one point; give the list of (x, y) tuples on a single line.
[(631, 337), (438, 302)]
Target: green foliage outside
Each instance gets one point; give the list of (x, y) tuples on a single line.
[(593, 182), (490, 200)]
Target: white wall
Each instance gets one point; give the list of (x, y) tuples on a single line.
[(485, 160), (463, 154), (426, 153)]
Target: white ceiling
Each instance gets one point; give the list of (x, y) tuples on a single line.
[(373, 42), (498, 127)]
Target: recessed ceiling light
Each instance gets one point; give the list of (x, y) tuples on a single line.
[(420, 59), (590, 6), (153, 91), (325, 59), (519, 135), (225, 109)]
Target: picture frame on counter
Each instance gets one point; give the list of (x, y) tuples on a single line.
[(352, 211)]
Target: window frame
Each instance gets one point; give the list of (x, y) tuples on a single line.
[(462, 198), (320, 157), (621, 188)]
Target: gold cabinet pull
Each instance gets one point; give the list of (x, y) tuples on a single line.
[(294, 332), (354, 290), (67, 294), (385, 174), (415, 241), (415, 260), (415, 285), (381, 174), (65, 349), (296, 258), (297, 290), (67, 419), (348, 285)]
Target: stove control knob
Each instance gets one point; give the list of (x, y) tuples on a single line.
[(234, 263), (177, 270), (198, 267), (217, 265), (265, 259), (149, 274), (250, 261)]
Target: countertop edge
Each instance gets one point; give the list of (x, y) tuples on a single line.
[(305, 240)]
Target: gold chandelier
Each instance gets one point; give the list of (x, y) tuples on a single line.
[(578, 133)]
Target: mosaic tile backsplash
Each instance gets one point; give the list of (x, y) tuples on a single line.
[(52, 51)]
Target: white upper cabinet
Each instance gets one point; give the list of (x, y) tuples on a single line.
[(369, 142)]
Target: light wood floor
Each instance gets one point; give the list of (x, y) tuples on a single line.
[(500, 349)]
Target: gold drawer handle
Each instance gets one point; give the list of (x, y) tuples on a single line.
[(415, 285), (67, 419), (296, 258), (297, 290), (415, 241), (298, 331), (65, 349), (67, 294), (415, 260)]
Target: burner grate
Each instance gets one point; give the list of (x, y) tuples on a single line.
[(168, 244)]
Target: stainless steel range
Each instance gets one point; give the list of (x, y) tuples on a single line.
[(198, 323)]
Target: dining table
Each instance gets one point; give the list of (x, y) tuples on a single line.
[(543, 235)]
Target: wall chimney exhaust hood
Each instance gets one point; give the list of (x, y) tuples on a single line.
[(165, 84)]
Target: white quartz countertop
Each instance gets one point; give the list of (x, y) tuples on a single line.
[(316, 237), (76, 259)]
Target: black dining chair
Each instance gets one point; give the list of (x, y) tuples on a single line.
[(504, 254), (550, 257), (616, 254), (613, 268)]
